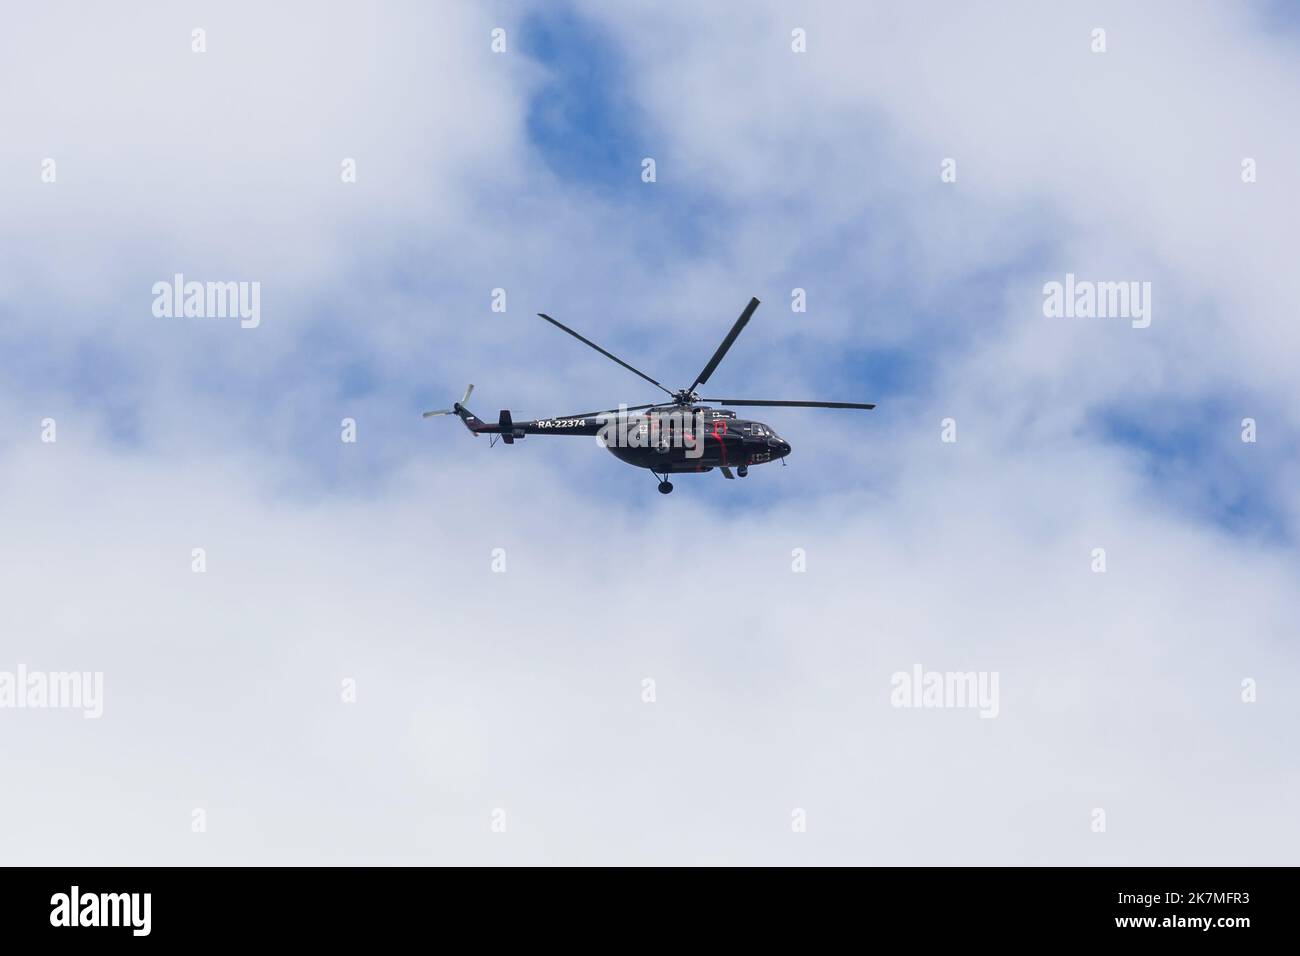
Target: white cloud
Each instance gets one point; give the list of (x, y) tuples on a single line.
[(522, 689)]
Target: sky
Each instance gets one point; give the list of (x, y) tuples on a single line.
[(412, 648)]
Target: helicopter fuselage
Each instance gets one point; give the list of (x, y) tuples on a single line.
[(682, 441)]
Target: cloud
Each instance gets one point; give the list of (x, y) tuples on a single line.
[(522, 689)]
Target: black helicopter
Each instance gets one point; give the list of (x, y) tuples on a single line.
[(679, 436)]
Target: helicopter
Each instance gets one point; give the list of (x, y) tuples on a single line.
[(683, 435)]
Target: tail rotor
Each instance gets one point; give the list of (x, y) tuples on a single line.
[(455, 409)]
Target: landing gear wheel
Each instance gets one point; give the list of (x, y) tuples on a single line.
[(665, 487), (742, 471)]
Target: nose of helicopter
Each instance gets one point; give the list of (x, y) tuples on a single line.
[(780, 447)]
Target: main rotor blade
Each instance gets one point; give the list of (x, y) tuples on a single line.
[(757, 401), (726, 344), (608, 355)]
